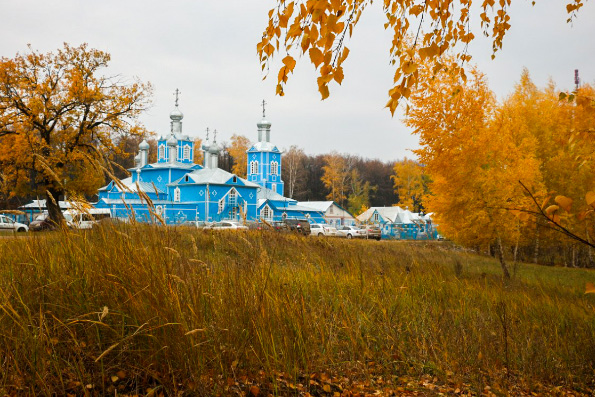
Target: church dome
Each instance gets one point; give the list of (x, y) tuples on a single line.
[(143, 145), (214, 148), (176, 115), (264, 124)]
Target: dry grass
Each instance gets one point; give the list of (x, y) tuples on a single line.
[(185, 310)]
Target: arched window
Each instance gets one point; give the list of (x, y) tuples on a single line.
[(186, 154), (221, 205), (266, 213), (274, 168), (177, 194), (254, 167), (233, 194), (284, 216), (161, 152)]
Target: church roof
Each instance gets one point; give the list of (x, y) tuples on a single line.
[(264, 147), (215, 176), (144, 186), (170, 165), (133, 201), (264, 193), (393, 214)]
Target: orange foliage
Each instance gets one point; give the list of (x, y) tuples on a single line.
[(422, 32), (59, 117)]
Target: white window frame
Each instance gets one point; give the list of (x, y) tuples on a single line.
[(274, 168), (186, 152), (266, 213), (376, 217), (254, 167), (221, 205), (161, 152), (177, 194), (232, 197)]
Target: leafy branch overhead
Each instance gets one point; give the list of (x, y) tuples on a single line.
[(423, 31)]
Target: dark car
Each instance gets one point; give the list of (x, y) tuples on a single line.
[(42, 222), (301, 226)]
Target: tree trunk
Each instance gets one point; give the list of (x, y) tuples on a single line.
[(505, 271), (536, 253), (52, 198)]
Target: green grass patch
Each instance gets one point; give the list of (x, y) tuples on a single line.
[(130, 307)]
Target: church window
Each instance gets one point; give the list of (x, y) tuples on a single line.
[(254, 167), (177, 194), (161, 152), (233, 197), (221, 205), (284, 216), (266, 213), (159, 210), (186, 154), (274, 187), (274, 168), (235, 179), (376, 217), (187, 178)]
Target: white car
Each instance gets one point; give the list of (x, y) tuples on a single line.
[(227, 225), (319, 229), (352, 232), (7, 223)]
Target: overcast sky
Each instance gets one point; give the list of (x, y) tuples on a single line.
[(207, 49)]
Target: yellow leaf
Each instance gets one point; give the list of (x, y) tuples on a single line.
[(551, 209), (316, 56), (409, 67), (289, 63), (590, 197), (114, 378), (338, 75), (323, 89), (564, 202), (121, 374), (326, 388), (589, 288)]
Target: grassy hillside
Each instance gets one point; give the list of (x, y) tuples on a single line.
[(139, 309)]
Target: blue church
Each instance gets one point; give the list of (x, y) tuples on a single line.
[(179, 190)]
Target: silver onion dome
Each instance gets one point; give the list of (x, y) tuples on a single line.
[(143, 145), (176, 115)]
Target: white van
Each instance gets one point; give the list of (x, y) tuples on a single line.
[(7, 223), (86, 219)]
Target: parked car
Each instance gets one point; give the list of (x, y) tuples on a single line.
[(373, 232), (196, 224), (7, 223), (352, 232), (301, 226), (42, 222), (86, 219), (227, 225), (320, 229)]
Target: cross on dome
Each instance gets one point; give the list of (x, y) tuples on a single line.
[(177, 94), (207, 133), (263, 109)]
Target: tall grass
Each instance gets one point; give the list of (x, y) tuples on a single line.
[(135, 306)]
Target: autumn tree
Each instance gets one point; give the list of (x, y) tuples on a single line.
[(337, 172), (293, 169), (59, 115), (475, 159), (410, 183), (237, 150), (198, 154), (359, 196), (423, 31)]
